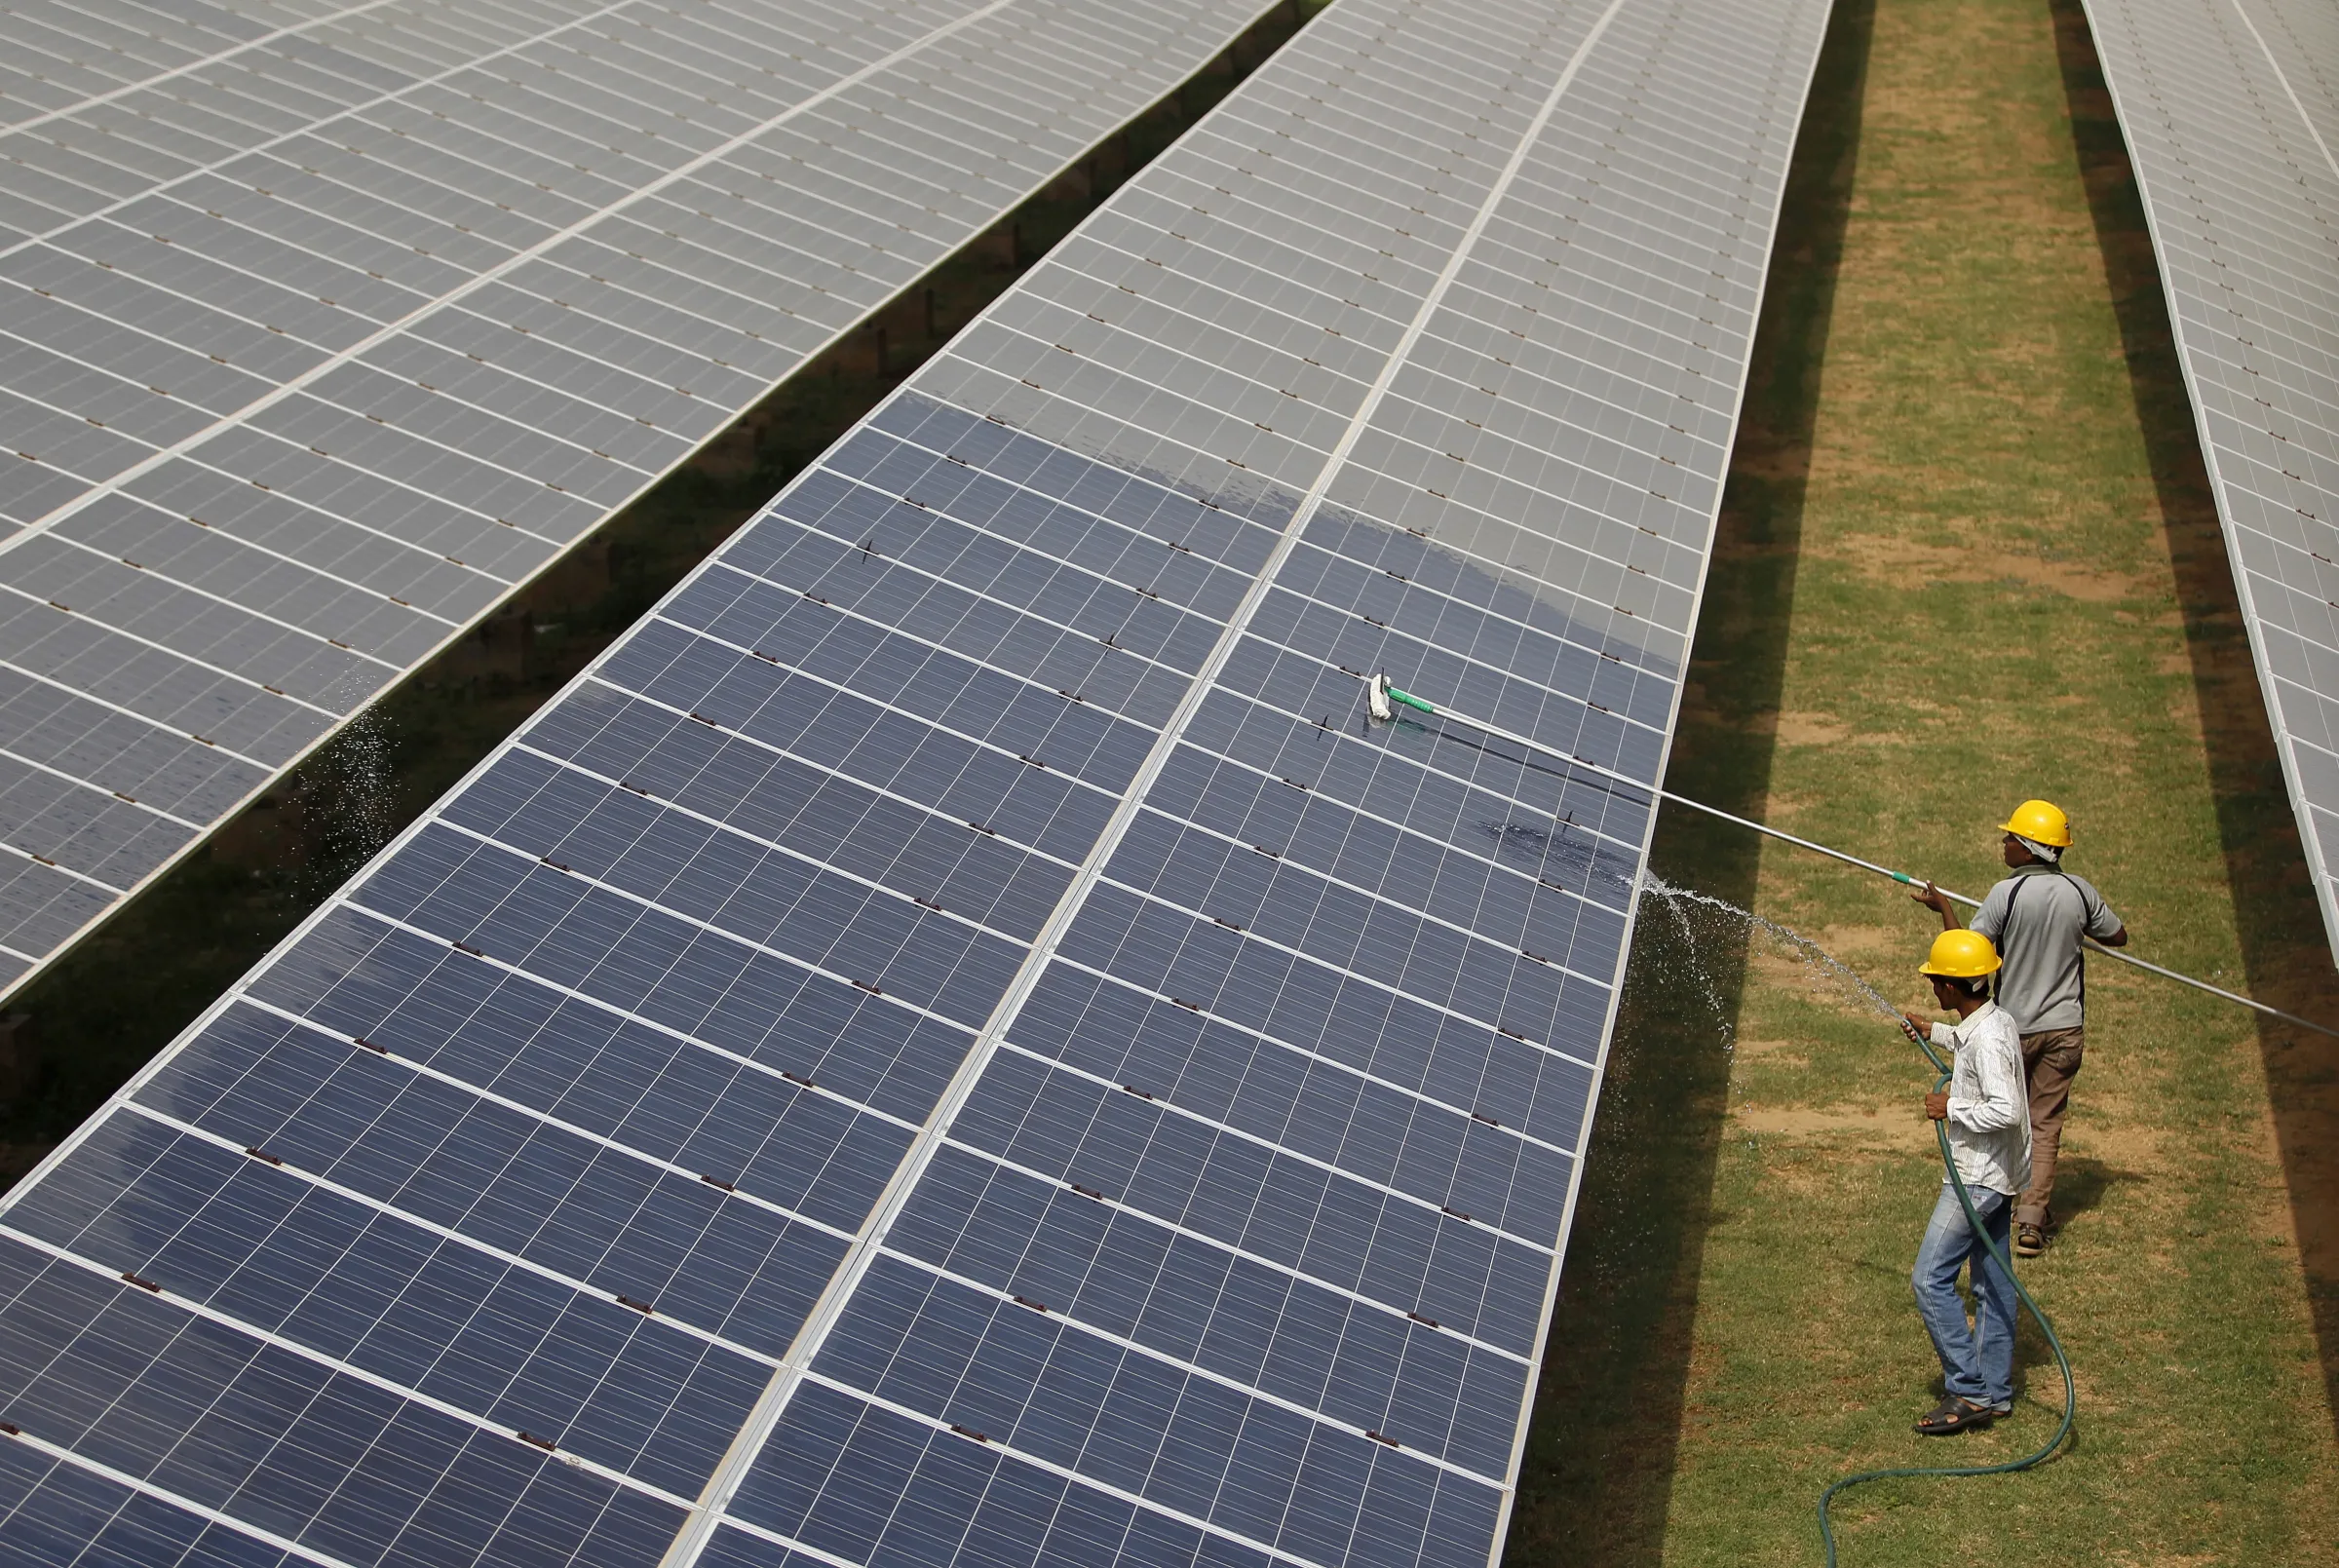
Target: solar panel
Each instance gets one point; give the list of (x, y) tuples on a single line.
[(2230, 111), (953, 1041), (324, 327)]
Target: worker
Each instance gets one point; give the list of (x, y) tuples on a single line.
[(2036, 918), (1987, 1118)]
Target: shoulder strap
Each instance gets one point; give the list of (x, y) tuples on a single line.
[(2084, 915), (2006, 926)]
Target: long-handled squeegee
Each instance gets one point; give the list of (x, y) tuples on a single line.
[(1383, 700)]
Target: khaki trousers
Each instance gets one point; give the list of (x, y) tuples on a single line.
[(2050, 1060)]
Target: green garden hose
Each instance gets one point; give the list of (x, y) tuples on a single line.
[(2070, 1391)]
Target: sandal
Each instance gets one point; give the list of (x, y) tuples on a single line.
[(2030, 1240), (1955, 1414)]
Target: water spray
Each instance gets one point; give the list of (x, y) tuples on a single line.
[(1383, 700)]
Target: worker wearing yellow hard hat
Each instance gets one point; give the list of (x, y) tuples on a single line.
[(2037, 918), (1959, 954), (1984, 1113)]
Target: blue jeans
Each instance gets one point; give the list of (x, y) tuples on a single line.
[(1977, 1363)]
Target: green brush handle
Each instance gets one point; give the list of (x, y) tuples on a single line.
[(1410, 700)]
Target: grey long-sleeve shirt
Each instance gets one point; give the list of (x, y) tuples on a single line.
[(1989, 1101)]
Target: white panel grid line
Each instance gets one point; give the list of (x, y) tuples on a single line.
[(92, 786), (576, 1129), (82, 695), (153, 83), (1134, 1500), (1258, 1142), (722, 933), (1493, 565), (766, 845), (257, 614), (1180, 1364), (304, 129), (1231, 1250), (1581, 764), (337, 1366), (1509, 676), (392, 1211), (1346, 1069), (112, 629), (980, 597), (62, 1455), (794, 673), (562, 1123), (882, 791), (1330, 879), (600, 1004), (350, 584), (1355, 976), (534, 1115)]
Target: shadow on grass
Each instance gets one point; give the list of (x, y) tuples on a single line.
[(1597, 1472), (2282, 950), (2081, 1183)]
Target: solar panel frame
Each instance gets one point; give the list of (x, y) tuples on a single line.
[(2231, 120)]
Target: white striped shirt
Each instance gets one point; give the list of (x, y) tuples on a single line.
[(1989, 1101)]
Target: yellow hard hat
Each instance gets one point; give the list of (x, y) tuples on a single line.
[(1960, 955), (2042, 822)]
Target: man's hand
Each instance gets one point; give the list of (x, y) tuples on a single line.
[(1935, 900), (1936, 1107), (1918, 1028)]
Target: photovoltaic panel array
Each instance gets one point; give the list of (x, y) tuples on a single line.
[(324, 327), (2231, 110), (954, 1042)]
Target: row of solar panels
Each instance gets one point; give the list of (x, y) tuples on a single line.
[(324, 330), (953, 1042), (2231, 109)]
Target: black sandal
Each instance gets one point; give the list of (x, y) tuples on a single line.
[(1955, 1414)]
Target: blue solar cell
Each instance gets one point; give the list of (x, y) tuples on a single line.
[(226, 1421), (617, 1219), (462, 1325), (54, 1515), (857, 1480)]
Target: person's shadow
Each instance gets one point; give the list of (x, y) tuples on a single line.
[(2080, 1184)]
